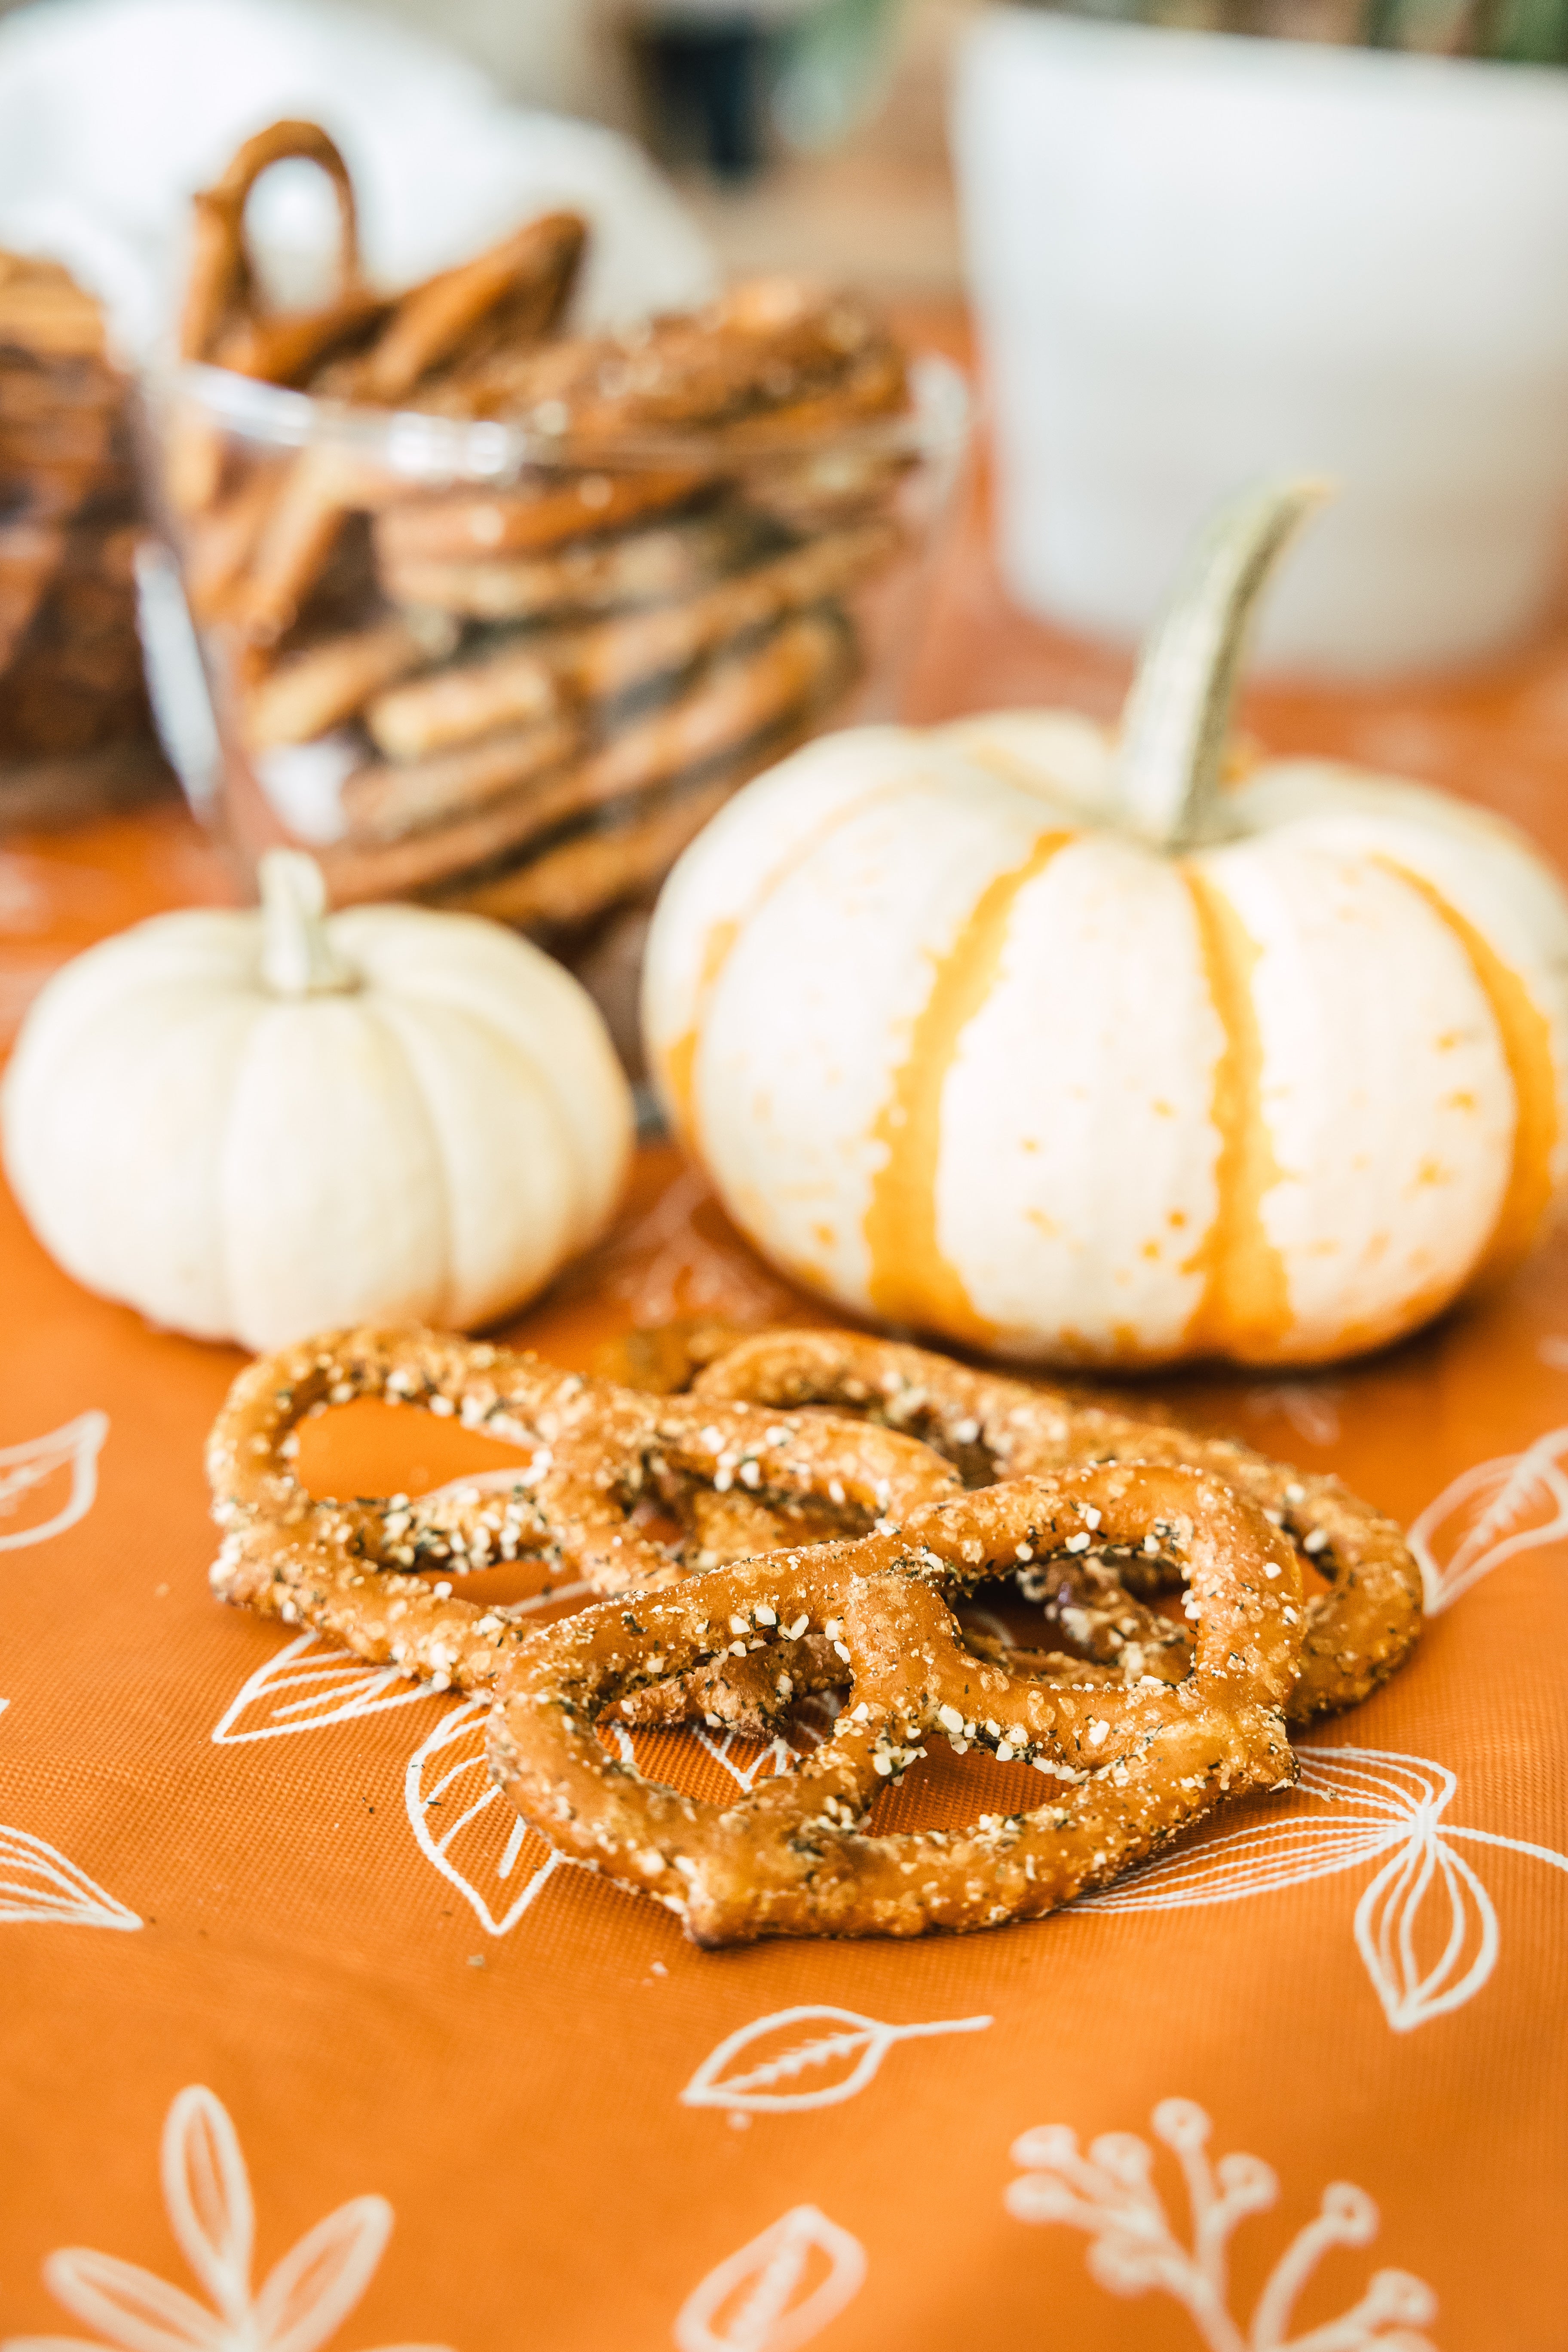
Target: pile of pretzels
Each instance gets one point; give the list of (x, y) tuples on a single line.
[(536, 690), (74, 732), (799, 1517)]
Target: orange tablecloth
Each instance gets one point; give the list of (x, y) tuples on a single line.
[(536, 2116)]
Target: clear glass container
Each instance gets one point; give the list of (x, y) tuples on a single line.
[(462, 663)]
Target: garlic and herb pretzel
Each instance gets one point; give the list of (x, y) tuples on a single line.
[(795, 1856), (723, 1479), (1357, 1633)]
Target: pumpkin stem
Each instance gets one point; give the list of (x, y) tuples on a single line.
[(298, 958), (1176, 720)]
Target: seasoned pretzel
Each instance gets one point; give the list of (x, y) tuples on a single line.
[(726, 1482), (566, 886), (542, 512), (601, 1455), (795, 1856), (591, 575), (309, 692), (387, 801), (766, 344), (610, 658), (516, 290), (739, 699), (569, 884), (220, 320), (1357, 1633)]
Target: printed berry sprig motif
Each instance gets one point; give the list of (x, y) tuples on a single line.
[(1109, 2193)]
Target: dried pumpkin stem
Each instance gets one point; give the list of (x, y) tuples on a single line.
[(1177, 721), (298, 958)]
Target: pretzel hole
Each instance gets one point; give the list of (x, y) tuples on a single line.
[(292, 234), (944, 1791), (713, 1764), (369, 1447)]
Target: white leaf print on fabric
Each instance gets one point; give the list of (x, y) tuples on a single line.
[(31, 1473), (1425, 1926), (306, 1685), (839, 2054), (332, 1685), (303, 2299), (1109, 2194), (467, 1826), (37, 1882), (1488, 1514), (778, 2292), (1313, 1411)]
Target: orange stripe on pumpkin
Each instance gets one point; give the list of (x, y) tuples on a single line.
[(911, 1280), (1245, 1309), (1526, 1037)]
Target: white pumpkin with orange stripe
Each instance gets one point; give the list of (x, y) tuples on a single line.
[(1042, 1040)]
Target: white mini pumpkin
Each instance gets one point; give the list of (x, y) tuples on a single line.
[(1046, 1042), (252, 1125)]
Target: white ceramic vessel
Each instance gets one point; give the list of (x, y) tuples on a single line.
[(1197, 259)]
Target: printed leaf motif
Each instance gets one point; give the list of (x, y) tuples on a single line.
[(302, 2301), (769, 1763), (1488, 1514), (37, 1882), (776, 2293), (1109, 2193), (1425, 1926), (467, 1827), (306, 1685), (47, 1484), (808, 2057)]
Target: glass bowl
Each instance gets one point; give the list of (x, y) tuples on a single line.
[(463, 662)]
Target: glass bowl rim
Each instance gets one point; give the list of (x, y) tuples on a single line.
[(420, 445)]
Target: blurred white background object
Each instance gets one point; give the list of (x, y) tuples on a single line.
[(113, 112), (1198, 259)]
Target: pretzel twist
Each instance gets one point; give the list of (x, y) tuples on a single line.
[(1357, 1633), (731, 1478), (221, 320), (795, 1856)]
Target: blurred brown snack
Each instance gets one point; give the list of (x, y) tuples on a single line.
[(875, 385), (644, 567), (75, 732), (515, 292), (579, 878), (609, 658), (223, 321), (310, 692), (763, 345), (665, 1358), (386, 803), (737, 697), (538, 514)]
